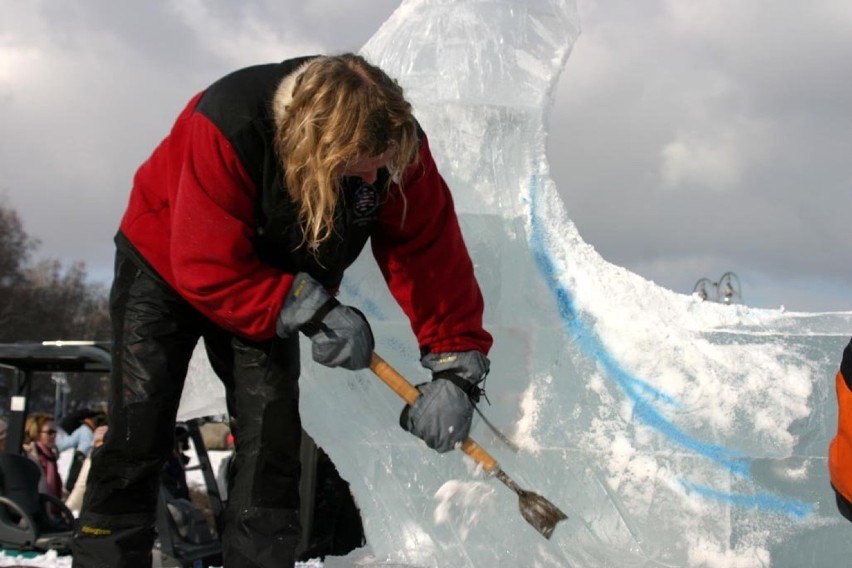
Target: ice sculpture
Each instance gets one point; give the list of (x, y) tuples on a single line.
[(673, 432)]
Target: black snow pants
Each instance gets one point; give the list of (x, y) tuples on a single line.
[(154, 334)]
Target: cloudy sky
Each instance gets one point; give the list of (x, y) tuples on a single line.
[(689, 138)]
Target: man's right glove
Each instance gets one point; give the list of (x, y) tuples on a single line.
[(442, 414), (340, 335)]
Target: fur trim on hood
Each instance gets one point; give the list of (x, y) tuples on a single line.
[(284, 93)]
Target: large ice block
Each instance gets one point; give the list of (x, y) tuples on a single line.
[(673, 432)]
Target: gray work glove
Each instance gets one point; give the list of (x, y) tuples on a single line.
[(442, 414), (340, 335)]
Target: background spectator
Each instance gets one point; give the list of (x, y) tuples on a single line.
[(40, 445), (75, 498), (77, 431)]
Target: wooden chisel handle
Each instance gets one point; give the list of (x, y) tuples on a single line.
[(409, 394), (393, 379)]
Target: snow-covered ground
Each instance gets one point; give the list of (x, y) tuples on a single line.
[(52, 560)]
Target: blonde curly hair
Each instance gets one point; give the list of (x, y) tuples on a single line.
[(33, 425), (343, 109)]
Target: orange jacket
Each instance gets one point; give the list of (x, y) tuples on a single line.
[(840, 450)]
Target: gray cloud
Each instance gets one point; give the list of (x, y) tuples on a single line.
[(90, 88), (703, 137)]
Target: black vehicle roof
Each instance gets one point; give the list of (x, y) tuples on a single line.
[(59, 356)]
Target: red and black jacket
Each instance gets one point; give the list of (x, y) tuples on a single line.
[(840, 450), (210, 214)]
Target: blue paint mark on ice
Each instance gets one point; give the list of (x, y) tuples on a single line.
[(765, 501), (641, 394)]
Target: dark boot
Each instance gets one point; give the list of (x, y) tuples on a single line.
[(261, 523), (261, 538), (154, 334), (113, 540)]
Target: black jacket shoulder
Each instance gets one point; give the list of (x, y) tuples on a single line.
[(240, 105)]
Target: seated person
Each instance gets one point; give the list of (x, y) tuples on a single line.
[(40, 446)]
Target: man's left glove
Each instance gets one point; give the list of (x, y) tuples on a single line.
[(340, 335), (442, 414)]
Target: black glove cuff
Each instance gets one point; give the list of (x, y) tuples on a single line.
[(403, 417), (315, 325), (473, 392), (369, 328)]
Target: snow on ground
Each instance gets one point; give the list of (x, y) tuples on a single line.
[(51, 560)]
